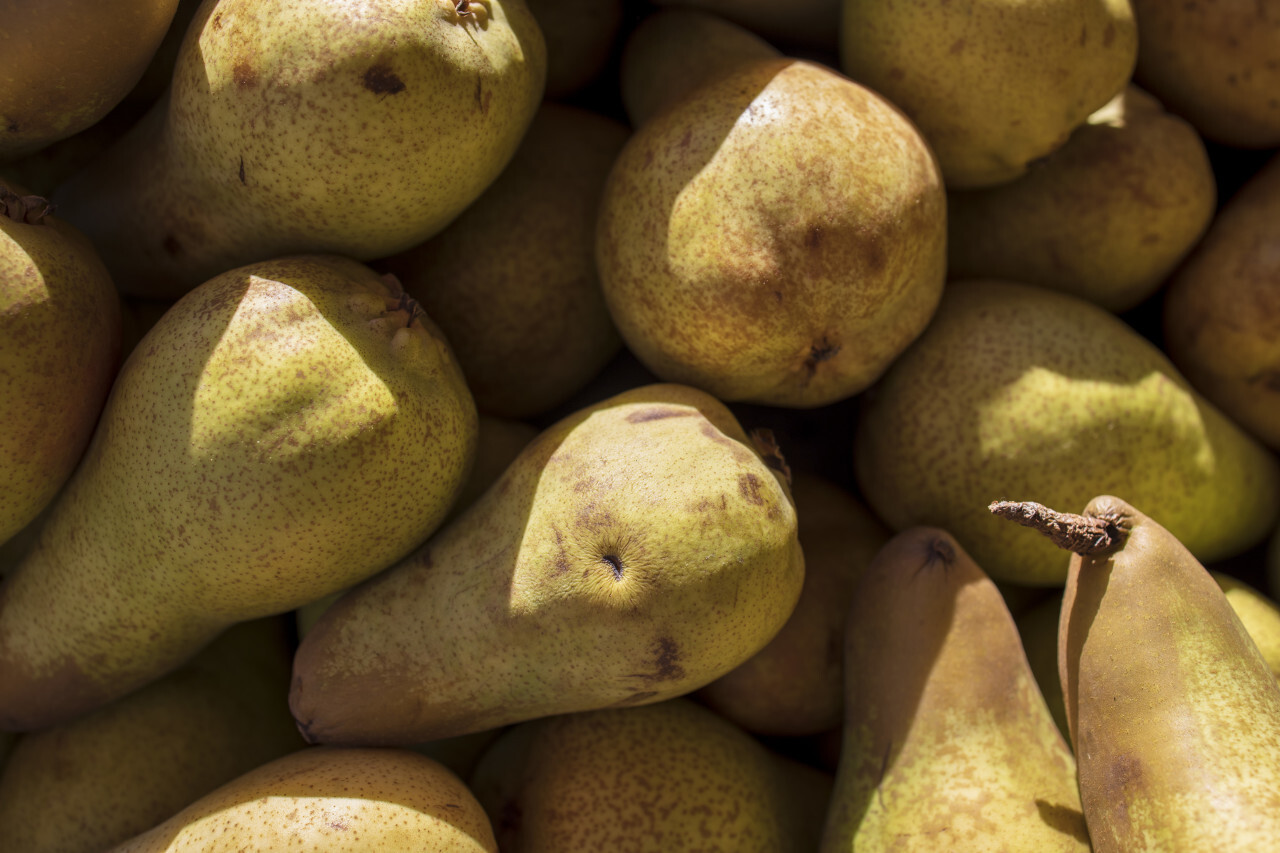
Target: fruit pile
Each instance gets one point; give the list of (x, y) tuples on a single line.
[(610, 425)]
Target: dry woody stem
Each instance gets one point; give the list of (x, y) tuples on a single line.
[(1080, 534)]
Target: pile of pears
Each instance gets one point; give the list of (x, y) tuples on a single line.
[(639, 425)]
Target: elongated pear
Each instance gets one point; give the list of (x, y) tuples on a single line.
[(284, 431), (948, 743), (1173, 711), (635, 551)]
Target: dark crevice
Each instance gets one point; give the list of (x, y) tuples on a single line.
[(614, 564)]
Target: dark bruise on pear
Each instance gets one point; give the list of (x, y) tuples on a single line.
[(1085, 535)]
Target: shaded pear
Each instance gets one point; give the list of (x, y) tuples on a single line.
[(528, 324), (1272, 567), (118, 771), (1173, 711), (1259, 615), (811, 25), (1016, 390), (671, 776), (580, 36), (634, 552), (311, 127), (1038, 629), (1106, 217), (284, 431), (776, 237), (60, 331), (795, 685), (947, 739), (1222, 308), (992, 84), (338, 800)]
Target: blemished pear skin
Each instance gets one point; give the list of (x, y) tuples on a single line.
[(118, 771), (1021, 391), (1215, 64), (635, 551), (60, 330), (1222, 308), (527, 323), (324, 126), (776, 237), (66, 64), (284, 431), (794, 686), (1107, 216), (1174, 713), (992, 84), (671, 776), (334, 800), (948, 743)]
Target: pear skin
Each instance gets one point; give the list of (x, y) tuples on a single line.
[(1173, 711), (337, 801), (634, 552), (1038, 629), (948, 743), (284, 431), (1259, 614)]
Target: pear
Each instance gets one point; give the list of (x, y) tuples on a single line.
[(776, 237), (331, 800), (1038, 629), (1259, 615), (322, 126), (634, 552), (665, 777), (1020, 391), (580, 37), (992, 84), (65, 65), (673, 51), (1107, 217), (948, 743), (528, 324), (794, 686), (808, 25), (126, 767), (1215, 64), (1272, 567), (1173, 711), (284, 431), (60, 330), (1222, 308)]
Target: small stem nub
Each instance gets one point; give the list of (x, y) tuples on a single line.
[(29, 209), (1080, 534), (770, 453)]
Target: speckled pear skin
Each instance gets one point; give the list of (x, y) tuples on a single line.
[(1021, 393), (331, 800), (60, 332), (633, 552), (672, 776), (280, 434), (743, 249), (948, 743), (992, 84), (1173, 711), (357, 128)]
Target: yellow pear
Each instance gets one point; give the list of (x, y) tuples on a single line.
[(1259, 614), (330, 800), (285, 430), (635, 551)]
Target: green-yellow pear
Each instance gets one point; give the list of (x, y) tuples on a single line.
[(795, 685), (1216, 64), (330, 800), (948, 743), (992, 84), (776, 237), (285, 430), (1173, 711), (580, 38), (1222, 308), (60, 332), (1021, 392), (118, 771), (1106, 217), (333, 126), (671, 777), (635, 551), (808, 24), (527, 322), (673, 51), (1259, 615), (65, 63)]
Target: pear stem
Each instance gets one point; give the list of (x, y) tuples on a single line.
[(1080, 534), (28, 209)]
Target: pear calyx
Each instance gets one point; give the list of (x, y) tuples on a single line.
[(1081, 534), (770, 452), (28, 209)]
